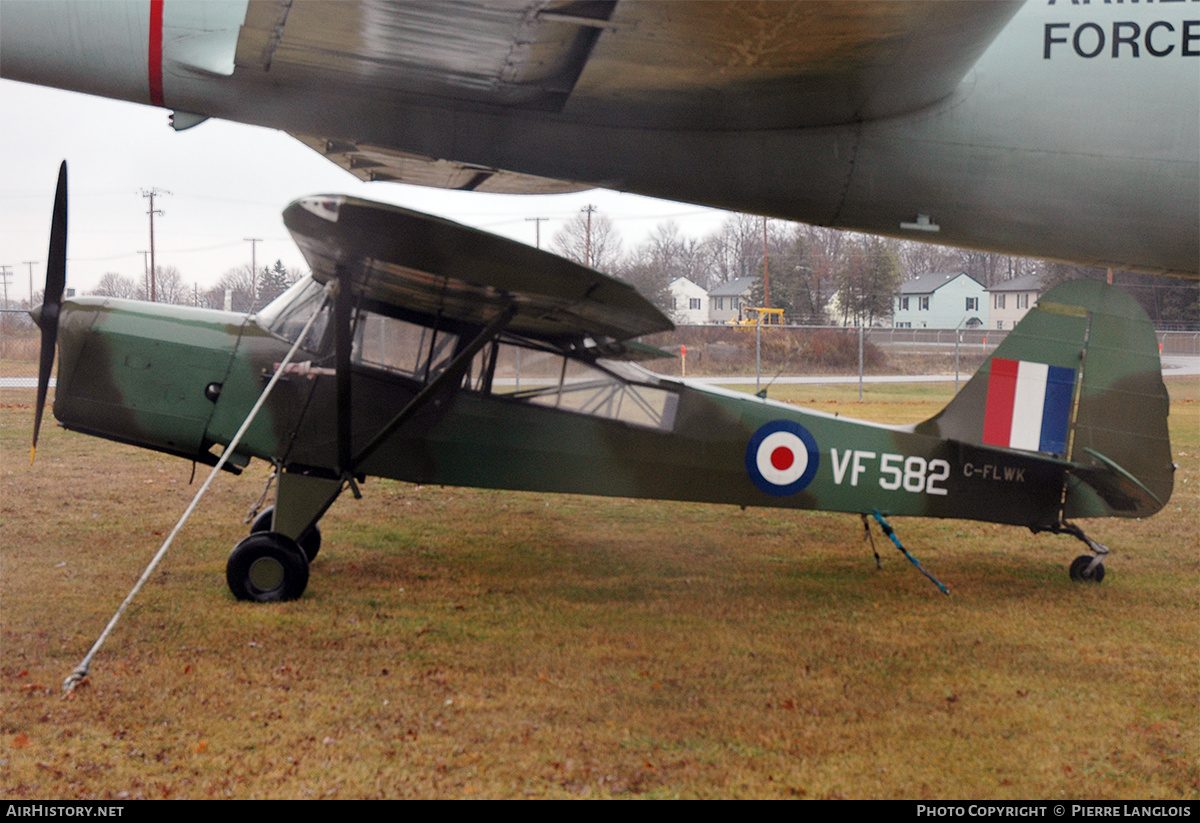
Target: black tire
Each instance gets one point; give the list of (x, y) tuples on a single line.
[(310, 541), (267, 567), (263, 522), (1080, 571)]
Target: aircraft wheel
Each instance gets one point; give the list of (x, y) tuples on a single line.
[(262, 523), (1079, 569), (310, 542), (267, 567)]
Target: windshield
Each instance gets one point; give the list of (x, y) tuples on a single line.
[(287, 313)]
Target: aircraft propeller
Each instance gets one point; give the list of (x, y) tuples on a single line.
[(46, 316)]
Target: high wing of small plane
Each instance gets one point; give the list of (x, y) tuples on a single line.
[(436, 353), (1054, 129)]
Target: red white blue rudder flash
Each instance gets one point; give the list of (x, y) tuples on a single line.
[(1028, 406), (782, 458)]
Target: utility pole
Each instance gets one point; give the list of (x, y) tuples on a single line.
[(587, 257), (30, 263), (537, 223), (253, 241), (4, 275), (766, 270), (146, 270), (151, 194)]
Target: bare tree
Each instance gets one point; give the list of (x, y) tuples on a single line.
[(170, 287), (240, 282), (923, 258), (117, 285), (736, 249), (572, 242)]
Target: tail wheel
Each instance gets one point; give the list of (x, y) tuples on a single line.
[(1082, 570), (267, 567), (310, 541)]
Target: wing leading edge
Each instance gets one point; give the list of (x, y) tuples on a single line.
[(439, 268)]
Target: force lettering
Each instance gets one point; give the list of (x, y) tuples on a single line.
[(1125, 38)]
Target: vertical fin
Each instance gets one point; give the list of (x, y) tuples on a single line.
[(1079, 378)]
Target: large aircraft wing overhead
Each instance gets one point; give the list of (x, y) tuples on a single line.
[(435, 267), (724, 64), (689, 66)]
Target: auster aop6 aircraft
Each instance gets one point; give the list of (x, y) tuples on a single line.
[(436, 353), (1062, 129)]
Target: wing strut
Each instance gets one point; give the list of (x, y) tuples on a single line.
[(452, 372), (343, 309)]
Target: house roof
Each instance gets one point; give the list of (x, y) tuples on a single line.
[(733, 288), (1030, 282), (929, 283), (682, 283)]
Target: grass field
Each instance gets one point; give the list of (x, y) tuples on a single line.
[(464, 643)]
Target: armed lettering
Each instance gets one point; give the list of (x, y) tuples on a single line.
[(1125, 38)]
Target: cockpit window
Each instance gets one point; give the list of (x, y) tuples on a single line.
[(608, 389), (414, 351), (287, 313)]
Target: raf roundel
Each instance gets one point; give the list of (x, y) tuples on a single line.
[(782, 458)]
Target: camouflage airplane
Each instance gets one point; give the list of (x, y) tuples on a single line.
[(437, 353)]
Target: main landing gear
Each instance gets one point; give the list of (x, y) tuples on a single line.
[(267, 567), (1087, 568), (272, 563), (310, 541)]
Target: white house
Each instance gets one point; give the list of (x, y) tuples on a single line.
[(725, 302), (687, 302), (945, 300), (1009, 301)]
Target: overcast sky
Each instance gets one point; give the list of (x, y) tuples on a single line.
[(227, 182)]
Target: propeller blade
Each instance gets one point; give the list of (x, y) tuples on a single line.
[(47, 316)]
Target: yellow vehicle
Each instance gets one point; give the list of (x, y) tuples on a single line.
[(757, 315)]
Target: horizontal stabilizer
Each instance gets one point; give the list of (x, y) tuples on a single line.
[(1119, 489)]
